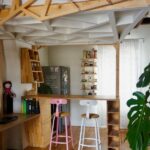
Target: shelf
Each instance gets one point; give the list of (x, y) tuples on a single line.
[(113, 133), (85, 59), (113, 106), (89, 81), (113, 111), (37, 71), (89, 89), (30, 66), (88, 66), (113, 118), (113, 142), (89, 74), (114, 148), (32, 60)]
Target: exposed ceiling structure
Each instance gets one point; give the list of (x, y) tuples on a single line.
[(83, 27)]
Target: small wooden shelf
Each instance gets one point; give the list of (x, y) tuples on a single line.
[(113, 130), (30, 66), (88, 73), (114, 148), (32, 60), (113, 116), (89, 89), (113, 142), (89, 66), (113, 106), (87, 59), (37, 71)]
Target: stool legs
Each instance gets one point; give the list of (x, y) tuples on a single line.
[(99, 140), (51, 137), (81, 130), (84, 123), (68, 138), (66, 130), (71, 133), (82, 136), (96, 135)]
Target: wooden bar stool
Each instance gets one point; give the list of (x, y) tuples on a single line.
[(57, 115), (85, 117)]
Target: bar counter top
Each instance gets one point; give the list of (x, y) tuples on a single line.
[(73, 97)]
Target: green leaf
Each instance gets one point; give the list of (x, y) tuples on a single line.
[(138, 134), (144, 79)]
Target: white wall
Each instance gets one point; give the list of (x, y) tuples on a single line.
[(71, 56), (13, 73), (43, 53)]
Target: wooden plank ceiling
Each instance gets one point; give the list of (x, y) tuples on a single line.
[(67, 22)]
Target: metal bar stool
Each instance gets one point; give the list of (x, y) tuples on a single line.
[(85, 117), (57, 115)]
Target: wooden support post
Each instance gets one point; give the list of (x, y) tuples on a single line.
[(117, 47), (2, 73)]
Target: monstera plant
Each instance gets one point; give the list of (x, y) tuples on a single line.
[(138, 134)]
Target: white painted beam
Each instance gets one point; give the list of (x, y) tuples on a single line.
[(138, 18), (112, 20)]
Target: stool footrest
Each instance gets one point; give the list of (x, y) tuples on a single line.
[(89, 139), (86, 145), (62, 136), (61, 142)]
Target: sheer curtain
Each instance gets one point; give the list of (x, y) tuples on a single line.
[(130, 70)]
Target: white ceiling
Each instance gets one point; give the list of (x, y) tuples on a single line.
[(89, 27)]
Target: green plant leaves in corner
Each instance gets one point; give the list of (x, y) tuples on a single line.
[(144, 79), (139, 121)]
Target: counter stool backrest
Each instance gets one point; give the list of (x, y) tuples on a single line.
[(88, 103), (58, 101)]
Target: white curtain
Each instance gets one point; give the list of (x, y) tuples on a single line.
[(130, 70)]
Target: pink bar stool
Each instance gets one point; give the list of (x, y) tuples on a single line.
[(57, 115)]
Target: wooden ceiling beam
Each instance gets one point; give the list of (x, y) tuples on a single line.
[(46, 7), (50, 11), (16, 12)]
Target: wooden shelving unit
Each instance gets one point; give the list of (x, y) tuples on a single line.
[(89, 72), (31, 70), (113, 121)]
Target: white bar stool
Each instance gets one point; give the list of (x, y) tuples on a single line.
[(89, 116)]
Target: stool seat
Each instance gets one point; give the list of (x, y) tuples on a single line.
[(91, 115), (63, 114)]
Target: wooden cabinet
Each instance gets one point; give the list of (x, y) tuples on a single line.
[(113, 119), (89, 72), (30, 66), (38, 130)]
